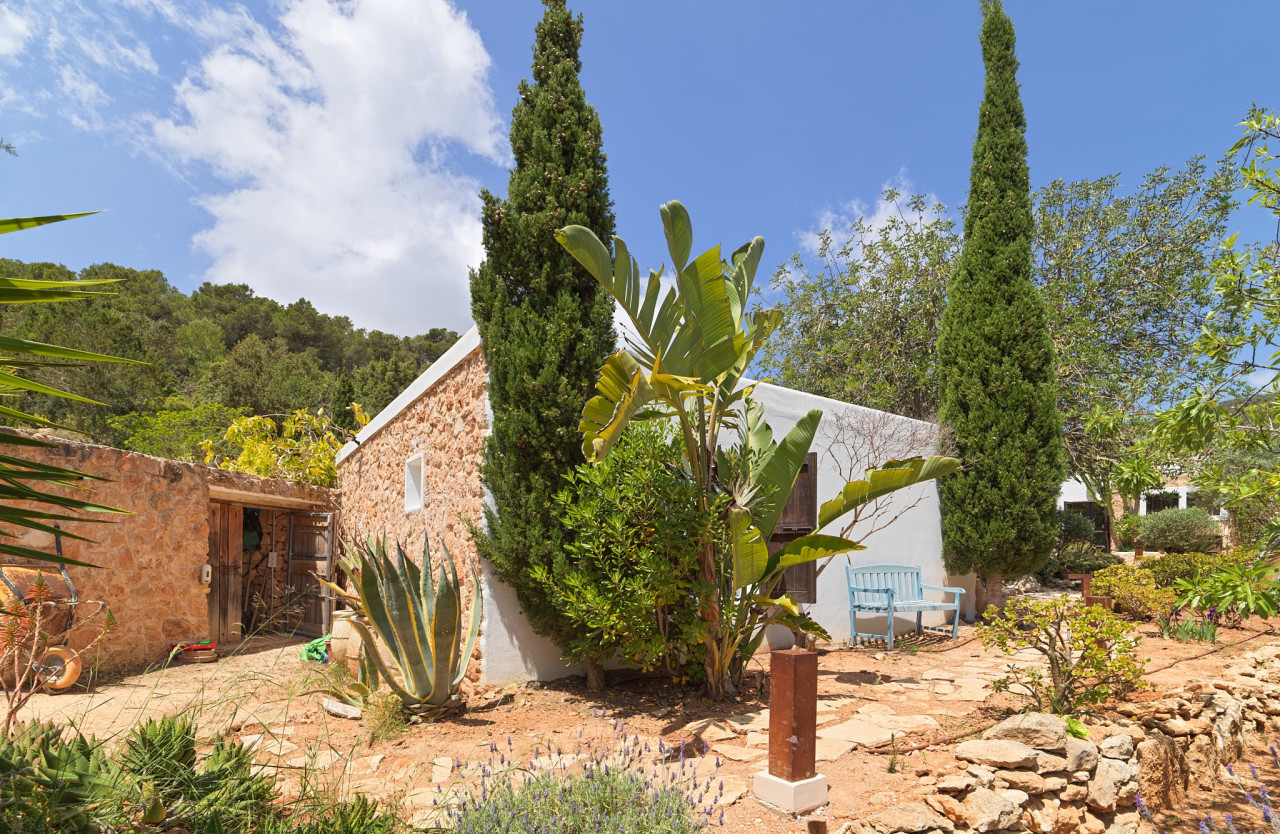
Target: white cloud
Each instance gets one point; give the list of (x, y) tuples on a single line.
[(839, 221), (329, 129), (15, 30)]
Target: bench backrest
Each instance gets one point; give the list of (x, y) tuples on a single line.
[(903, 579)]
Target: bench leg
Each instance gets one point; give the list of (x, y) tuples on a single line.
[(919, 620), (955, 622), (889, 628)]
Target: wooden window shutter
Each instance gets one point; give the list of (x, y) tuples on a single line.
[(799, 518)]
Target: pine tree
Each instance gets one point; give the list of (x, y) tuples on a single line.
[(546, 324), (995, 357)]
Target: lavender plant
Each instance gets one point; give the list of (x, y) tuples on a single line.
[(619, 784)]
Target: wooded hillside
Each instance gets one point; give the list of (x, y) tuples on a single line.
[(213, 355)]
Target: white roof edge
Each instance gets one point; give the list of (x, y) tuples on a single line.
[(745, 382), (464, 347)]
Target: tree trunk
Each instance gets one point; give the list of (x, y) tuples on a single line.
[(989, 591), (595, 675)]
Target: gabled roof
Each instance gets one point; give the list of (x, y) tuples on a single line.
[(467, 344)]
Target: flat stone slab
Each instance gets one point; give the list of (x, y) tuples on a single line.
[(711, 729), (938, 675), (876, 729), (741, 754), (830, 749), (322, 760), (758, 720)]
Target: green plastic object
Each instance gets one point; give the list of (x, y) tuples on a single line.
[(317, 650)]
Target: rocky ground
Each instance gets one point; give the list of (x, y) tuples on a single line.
[(891, 727)]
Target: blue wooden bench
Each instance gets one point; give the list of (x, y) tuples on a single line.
[(895, 589)]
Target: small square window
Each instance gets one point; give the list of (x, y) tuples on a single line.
[(413, 491)]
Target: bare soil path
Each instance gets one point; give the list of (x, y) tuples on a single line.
[(871, 703)]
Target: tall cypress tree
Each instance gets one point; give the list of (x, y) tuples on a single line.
[(995, 357), (546, 324)]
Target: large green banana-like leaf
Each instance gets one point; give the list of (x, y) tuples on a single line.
[(15, 224), (744, 261), (624, 390), (679, 232), (706, 301), (892, 476), (779, 467), (813, 547), (750, 551)]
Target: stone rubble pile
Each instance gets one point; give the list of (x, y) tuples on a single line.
[(1027, 774)]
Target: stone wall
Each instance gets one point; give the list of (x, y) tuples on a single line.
[(447, 425), (148, 564), (1028, 774)]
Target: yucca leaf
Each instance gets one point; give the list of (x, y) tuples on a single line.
[(15, 224)]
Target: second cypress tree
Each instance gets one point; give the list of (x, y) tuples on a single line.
[(995, 356), (546, 324)]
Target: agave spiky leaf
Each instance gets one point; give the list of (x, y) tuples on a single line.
[(416, 619)]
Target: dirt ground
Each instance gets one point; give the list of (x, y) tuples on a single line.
[(928, 690)]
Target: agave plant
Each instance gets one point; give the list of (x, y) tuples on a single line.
[(418, 622)]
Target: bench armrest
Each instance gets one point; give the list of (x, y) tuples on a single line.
[(946, 589), (886, 591)]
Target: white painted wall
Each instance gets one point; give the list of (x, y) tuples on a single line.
[(913, 539)]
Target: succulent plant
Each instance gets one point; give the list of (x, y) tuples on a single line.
[(418, 622)]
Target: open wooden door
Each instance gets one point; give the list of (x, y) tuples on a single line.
[(311, 555), (226, 550)]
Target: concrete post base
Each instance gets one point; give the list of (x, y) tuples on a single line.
[(792, 797)]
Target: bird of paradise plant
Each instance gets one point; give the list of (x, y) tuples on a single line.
[(686, 357)]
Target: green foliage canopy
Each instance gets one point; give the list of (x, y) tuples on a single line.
[(995, 357), (545, 323)]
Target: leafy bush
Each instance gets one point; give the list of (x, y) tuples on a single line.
[(1075, 551), (1086, 559), (1191, 530), (1090, 652), (1171, 567), (1129, 530), (1135, 591), (625, 581), (1235, 592)]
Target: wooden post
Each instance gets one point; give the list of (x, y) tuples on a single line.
[(793, 713)]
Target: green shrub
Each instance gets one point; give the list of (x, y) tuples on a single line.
[(1090, 652), (1171, 567), (1075, 551), (1191, 530), (1083, 558), (1134, 591), (625, 581), (1234, 592), (1129, 530)]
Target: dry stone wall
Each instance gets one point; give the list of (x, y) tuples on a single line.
[(1027, 774), (447, 425)]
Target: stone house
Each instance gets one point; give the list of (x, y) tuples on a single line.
[(413, 471), (205, 552)]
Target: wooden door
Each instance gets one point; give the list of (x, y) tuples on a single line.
[(226, 551), (311, 556)]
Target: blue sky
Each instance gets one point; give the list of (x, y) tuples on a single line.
[(334, 150)]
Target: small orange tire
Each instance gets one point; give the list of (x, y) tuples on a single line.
[(61, 668)]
